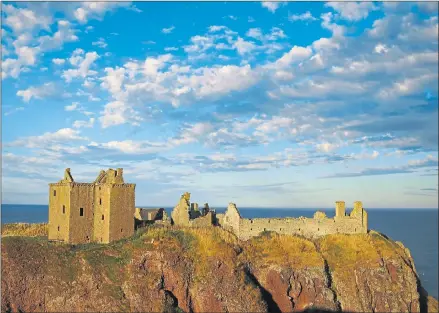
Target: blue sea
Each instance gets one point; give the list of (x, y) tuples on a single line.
[(417, 229)]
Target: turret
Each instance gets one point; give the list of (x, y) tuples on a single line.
[(340, 209)]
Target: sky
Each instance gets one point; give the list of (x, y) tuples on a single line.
[(264, 104)]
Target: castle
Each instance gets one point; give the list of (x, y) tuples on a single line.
[(185, 214), (104, 211), (101, 211)]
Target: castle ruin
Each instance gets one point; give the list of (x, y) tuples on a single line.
[(187, 214), (320, 225), (101, 211)]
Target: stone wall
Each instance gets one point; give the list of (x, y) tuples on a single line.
[(101, 226), (180, 214), (203, 221), (320, 225), (122, 205), (307, 227), (101, 211), (59, 211), (232, 218), (81, 201)]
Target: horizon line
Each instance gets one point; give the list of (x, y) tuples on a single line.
[(260, 207)]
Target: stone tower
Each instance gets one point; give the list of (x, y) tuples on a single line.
[(101, 211), (340, 209), (359, 212)]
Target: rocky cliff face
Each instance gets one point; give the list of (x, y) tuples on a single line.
[(208, 270)]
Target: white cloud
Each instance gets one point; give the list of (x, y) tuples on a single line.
[(60, 136), (254, 33), (9, 112), (39, 92), (86, 124), (296, 54), (133, 147), (272, 6), (380, 48), (83, 64), (23, 19), (100, 43), (353, 11), (307, 16), (171, 49), (72, 107), (152, 65), (58, 61), (117, 113), (216, 28), (168, 30), (114, 79), (244, 47), (96, 10)]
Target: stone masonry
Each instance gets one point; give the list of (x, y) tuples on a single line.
[(319, 225), (101, 211)]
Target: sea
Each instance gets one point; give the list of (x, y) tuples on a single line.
[(417, 229)]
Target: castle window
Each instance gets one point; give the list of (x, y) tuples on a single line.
[(99, 188), (102, 216), (63, 209), (251, 221), (265, 229), (318, 229), (121, 230), (100, 200), (115, 174), (81, 211), (54, 193), (58, 228), (268, 221), (299, 229), (251, 228)]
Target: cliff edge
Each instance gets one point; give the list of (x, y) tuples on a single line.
[(172, 269)]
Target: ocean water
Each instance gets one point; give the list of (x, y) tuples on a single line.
[(417, 229)]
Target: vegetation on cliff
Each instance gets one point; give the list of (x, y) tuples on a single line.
[(174, 269)]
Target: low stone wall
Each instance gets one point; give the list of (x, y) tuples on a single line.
[(203, 221), (307, 227)]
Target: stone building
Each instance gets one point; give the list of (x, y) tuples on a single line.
[(319, 225), (101, 211)]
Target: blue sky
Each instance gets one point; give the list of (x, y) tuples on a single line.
[(262, 104)]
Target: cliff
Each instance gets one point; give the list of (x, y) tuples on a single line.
[(170, 269)]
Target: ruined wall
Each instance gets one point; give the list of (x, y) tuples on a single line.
[(180, 214), (122, 207), (203, 221), (232, 219), (59, 196), (101, 225), (219, 219), (81, 201), (308, 227)]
